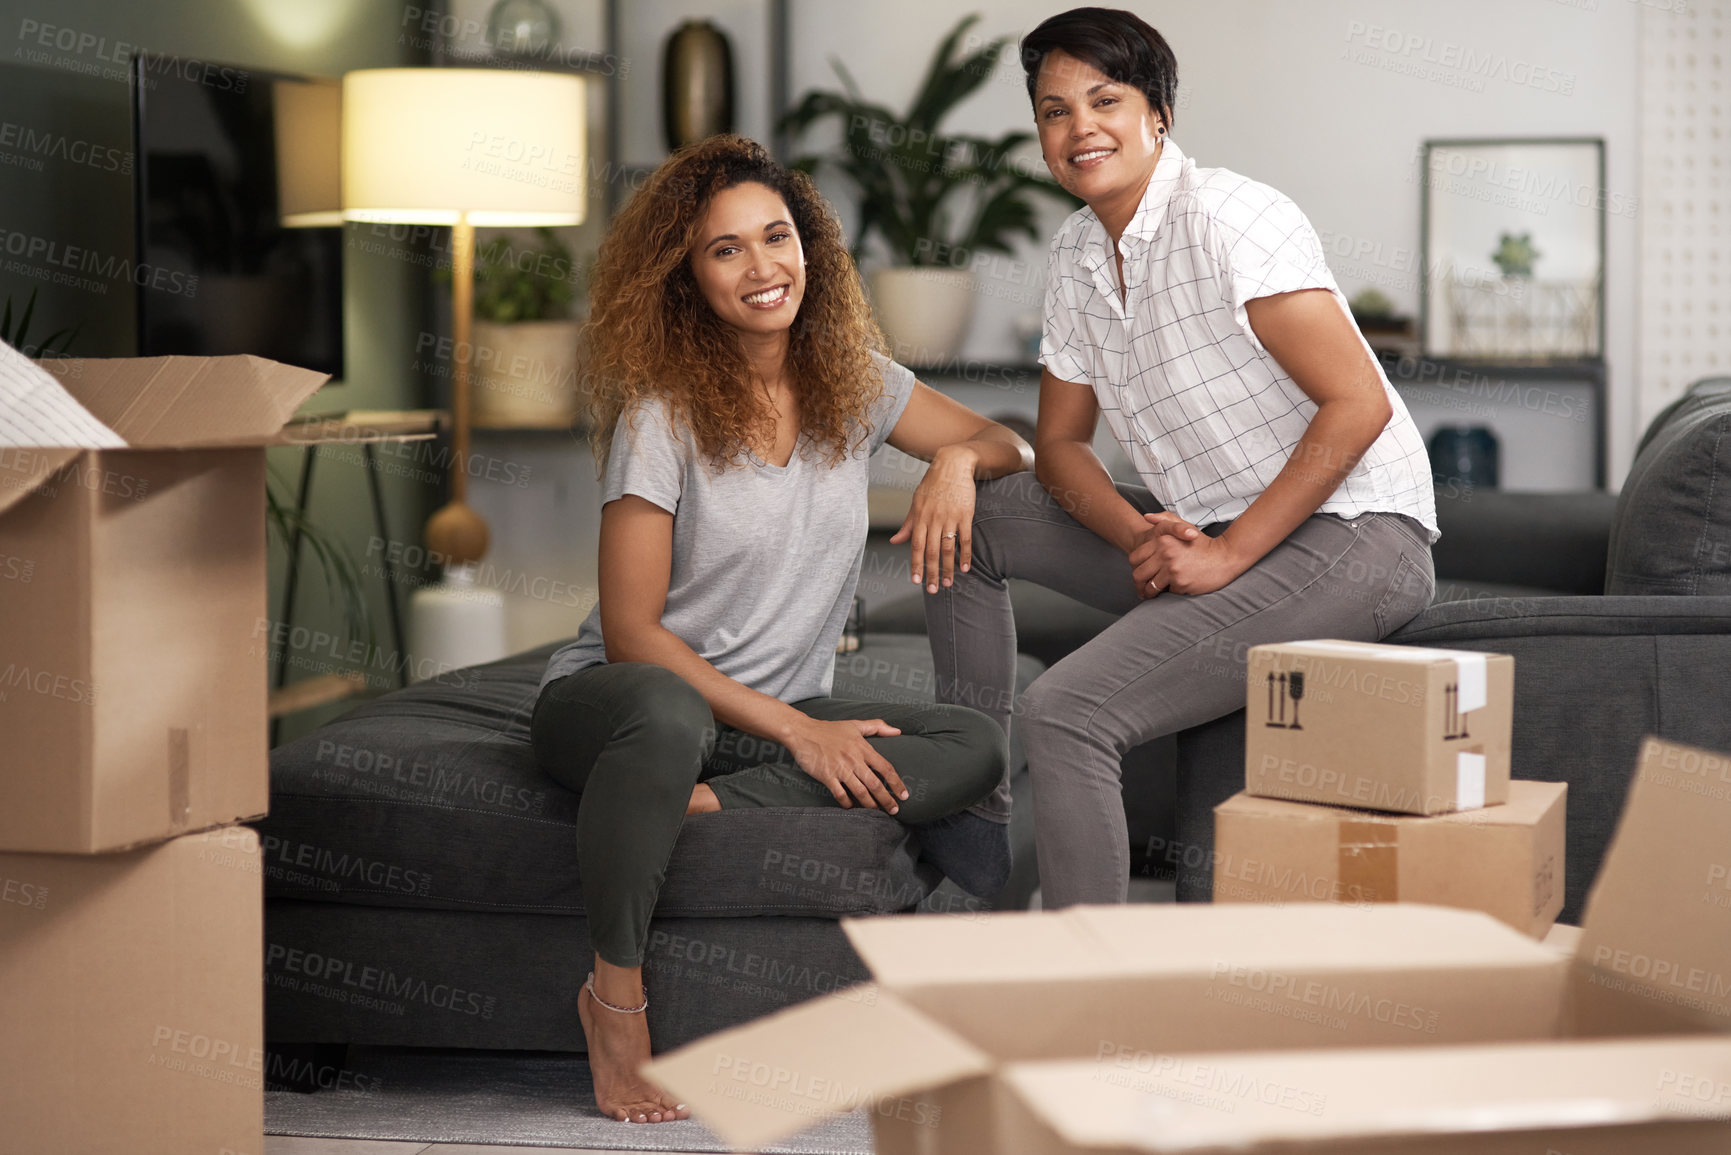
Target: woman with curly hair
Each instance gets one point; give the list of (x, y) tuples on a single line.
[(739, 389)]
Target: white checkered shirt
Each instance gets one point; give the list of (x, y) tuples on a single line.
[(1205, 414)]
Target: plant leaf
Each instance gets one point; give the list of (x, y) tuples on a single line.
[(24, 321), (947, 80)]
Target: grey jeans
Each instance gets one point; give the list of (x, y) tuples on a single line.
[(1169, 663)]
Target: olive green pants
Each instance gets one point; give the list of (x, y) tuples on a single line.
[(633, 738)]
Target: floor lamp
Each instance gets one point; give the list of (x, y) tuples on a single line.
[(463, 147)]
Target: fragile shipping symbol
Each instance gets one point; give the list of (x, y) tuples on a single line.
[(1282, 687), (1291, 685)]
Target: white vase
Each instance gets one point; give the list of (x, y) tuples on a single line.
[(525, 374), (454, 624), (923, 311)]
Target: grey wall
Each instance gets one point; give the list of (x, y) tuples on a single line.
[(75, 86)]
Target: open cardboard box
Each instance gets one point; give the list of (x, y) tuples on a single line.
[(1615, 1097), (946, 1045), (133, 683)]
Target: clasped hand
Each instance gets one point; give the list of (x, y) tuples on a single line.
[(1175, 556)]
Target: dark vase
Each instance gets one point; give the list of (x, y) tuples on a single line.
[(1466, 456), (696, 84)]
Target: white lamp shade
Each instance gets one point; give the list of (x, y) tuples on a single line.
[(439, 145)]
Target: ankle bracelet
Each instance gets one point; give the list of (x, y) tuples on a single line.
[(589, 983)]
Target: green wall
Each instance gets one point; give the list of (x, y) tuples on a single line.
[(80, 94)]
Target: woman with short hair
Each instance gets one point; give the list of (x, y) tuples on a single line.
[(1286, 492), (739, 387)]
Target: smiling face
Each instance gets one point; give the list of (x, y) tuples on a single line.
[(1100, 137), (748, 260)]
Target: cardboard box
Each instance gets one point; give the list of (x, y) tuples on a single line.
[(1564, 939), (956, 998), (1398, 728), (1609, 1098), (934, 1046), (131, 1000), (1504, 860), (133, 683), (1655, 941)]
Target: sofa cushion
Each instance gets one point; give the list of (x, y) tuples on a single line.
[(430, 798), (1672, 533), (1528, 542)]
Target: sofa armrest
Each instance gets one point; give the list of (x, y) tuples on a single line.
[(1480, 622), (1593, 676)]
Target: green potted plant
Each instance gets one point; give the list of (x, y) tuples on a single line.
[(525, 355), (936, 200), (1515, 254)]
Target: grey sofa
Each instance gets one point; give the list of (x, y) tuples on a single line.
[(1645, 653), (422, 889), (1616, 607)]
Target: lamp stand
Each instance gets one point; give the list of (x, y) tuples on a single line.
[(456, 532), (457, 622)]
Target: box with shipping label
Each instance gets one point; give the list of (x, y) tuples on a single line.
[(132, 599), (1622, 1046), (1397, 728), (1504, 860), (133, 1010)]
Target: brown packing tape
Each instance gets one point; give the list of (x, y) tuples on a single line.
[(1369, 861), (179, 778)]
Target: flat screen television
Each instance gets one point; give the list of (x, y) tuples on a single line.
[(236, 185)]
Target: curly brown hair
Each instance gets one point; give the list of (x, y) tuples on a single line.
[(652, 334)]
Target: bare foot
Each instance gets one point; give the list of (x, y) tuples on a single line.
[(618, 1047), (703, 801)]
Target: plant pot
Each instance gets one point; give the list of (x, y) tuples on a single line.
[(923, 311), (525, 374)]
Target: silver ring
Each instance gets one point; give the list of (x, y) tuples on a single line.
[(949, 535)]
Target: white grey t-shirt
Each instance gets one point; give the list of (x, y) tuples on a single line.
[(765, 557)]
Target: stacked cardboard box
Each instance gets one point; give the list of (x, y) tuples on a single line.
[(1381, 774), (1311, 1029), (132, 698)]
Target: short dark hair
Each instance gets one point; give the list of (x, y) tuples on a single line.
[(1120, 44)]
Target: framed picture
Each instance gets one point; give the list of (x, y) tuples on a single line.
[(1514, 249)]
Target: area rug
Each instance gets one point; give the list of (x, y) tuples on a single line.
[(515, 1100)]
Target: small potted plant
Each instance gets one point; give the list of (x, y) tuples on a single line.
[(1515, 254), (935, 200), (525, 354)]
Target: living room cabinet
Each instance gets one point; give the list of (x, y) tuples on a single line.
[(1548, 418)]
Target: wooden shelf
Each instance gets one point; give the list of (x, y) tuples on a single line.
[(317, 691), (576, 432), (980, 372)]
